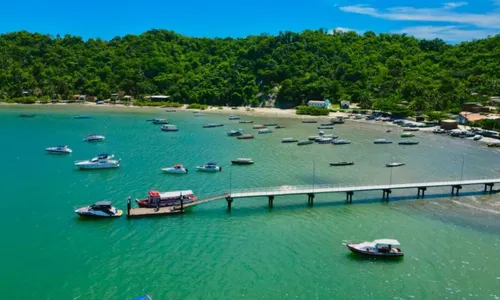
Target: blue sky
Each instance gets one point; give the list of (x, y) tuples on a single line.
[(451, 21)]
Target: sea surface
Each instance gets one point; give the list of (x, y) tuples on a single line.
[(292, 251)]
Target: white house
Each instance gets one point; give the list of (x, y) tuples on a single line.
[(318, 103), (345, 104)]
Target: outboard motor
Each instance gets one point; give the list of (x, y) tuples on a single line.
[(220, 169)]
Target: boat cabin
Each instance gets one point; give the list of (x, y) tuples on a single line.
[(104, 206)]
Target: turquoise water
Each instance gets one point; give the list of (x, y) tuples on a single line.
[(290, 252)]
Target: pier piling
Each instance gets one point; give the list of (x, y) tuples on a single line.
[(229, 202), (129, 206), (385, 195), (270, 201), (486, 185), (310, 199), (455, 190), (349, 197), (421, 192)]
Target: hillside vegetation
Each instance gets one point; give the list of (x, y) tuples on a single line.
[(376, 71)]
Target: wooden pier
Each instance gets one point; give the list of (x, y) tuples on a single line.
[(310, 191)]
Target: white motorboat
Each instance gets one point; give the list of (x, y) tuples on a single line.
[(59, 150), (264, 131), (395, 164), (237, 132), (102, 161), (234, 117), (289, 140), (94, 138), (439, 131), (407, 135), (477, 137), (169, 128), (242, 161), (176, 169), (382, 141), (377, 248), (209, 167), (324, 140), (341, 142), (101, 209), (159, 121)]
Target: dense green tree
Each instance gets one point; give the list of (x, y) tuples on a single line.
[(377, 71)]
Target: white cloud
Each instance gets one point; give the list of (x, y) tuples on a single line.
[(342, 29), (443, 14), (451, 5), (447, 33)]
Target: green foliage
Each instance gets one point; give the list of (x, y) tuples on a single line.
[(197, 106), (157, 104), (312, 111), (488, 124), (289, 67), (436, 116)]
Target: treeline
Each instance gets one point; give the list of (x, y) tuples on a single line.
[(377, 71)]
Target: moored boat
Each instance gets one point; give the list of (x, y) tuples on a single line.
[(264, 131), (59, 150), (382, 141), (494, 145), (477, 137), (245, 137), (169, 128), (209, 167), (289, 140), (325, 127), (258, 126), (175, 169), (94, 138), (280, 126), (408, 143), (313, 137), (170, 110), (309, 121), (330, 136), (234, 117), (411, 129), (101, 209), (395, 164), (341, 142), (377, 248), (324, 140), (82, 117), (102, 161), (159, 121), (212, 125), (338, 120), (242, 161), (236, 132), (407, 135), (246, 122), (27, 115), (162, 199), (439, 131), (305, 142), (341, 163)]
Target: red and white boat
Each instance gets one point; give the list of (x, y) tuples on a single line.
[(163, 199)]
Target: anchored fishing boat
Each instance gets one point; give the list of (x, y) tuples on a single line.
[(169, 128), (159, 121), (102, 161), (341, 163), (382, 141), (176, 169), (305, 142), (289, 140), (245, 137), (212, 125), (408, 143), (237, 132), (59, 150), (242, 161), (395, 164), (209, 167)]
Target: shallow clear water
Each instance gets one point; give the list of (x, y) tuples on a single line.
[(290, 252)]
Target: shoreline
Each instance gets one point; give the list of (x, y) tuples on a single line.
[(241, 111)]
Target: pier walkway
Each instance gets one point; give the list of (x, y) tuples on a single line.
[(312, 190)]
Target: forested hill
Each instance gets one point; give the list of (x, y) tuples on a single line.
[(370, 69)]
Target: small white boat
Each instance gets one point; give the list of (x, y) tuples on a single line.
[(324, 140), (305, 142), (382, 141), (395, 164), (242, 161), (237, 132), (234, 117), (341, 142), (101, 209), (159, 121), (102, 161), (289, 140), (169, 128), (264, 131), (176, 169), (59, 150), (321, 133), (377, 248), (209, 167), (439, 131), (407, 135), (94, 138), (477, 137)]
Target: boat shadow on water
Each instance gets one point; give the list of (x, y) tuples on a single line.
[(368, 259)]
